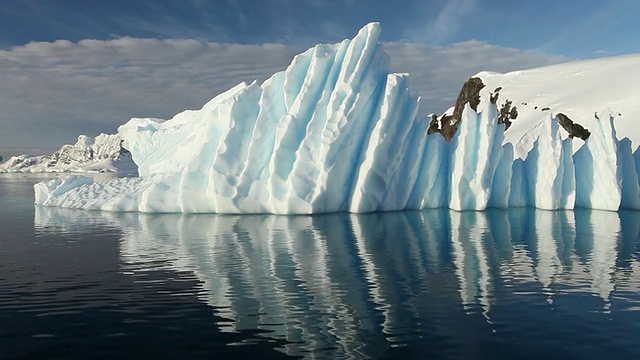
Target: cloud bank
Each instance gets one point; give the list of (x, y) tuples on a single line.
[(50, 92)]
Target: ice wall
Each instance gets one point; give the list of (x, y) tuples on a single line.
[(336, 131)]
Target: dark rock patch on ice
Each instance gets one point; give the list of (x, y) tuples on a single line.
[(574, 129), (470, 93)]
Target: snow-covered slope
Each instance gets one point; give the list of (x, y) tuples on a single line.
[(583, 90), (336, 131), (104, 153)]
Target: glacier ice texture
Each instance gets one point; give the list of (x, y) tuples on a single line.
[(336, 131)]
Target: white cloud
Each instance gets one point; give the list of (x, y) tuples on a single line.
[(450, 18), (446, 24), (61, 89), (52, 92)]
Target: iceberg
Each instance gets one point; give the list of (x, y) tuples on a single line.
[(337, 131), (103, 153)]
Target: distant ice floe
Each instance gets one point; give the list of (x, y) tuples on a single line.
[(103, 153)]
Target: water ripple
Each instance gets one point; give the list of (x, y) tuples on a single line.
[(431, 283)]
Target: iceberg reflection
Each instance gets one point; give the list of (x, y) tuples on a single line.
[(358, 284)]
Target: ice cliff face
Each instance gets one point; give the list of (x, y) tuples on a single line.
[(99, 154), (336, 131)]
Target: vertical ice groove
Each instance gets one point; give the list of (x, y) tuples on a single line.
[(544, 167), (568, 192), (431, 186), (290, 130), (356, 81), (295, 76), (490, 150), (471, 157), (346, 176), (306, 167), (474, 158), (636, 160), (501, 186), (253, 192), (518, 195), (353, 106), (194, 179), (415, 194), (598, 171), (232, 150), (365, 46), (301, 180), (404, 178), (630, 189), (362, 51), (414, 149), (363, 196), (555, 149), (379, 159), (459, 173)]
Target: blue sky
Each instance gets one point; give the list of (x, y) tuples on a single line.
[(74, 67), (575, 28)]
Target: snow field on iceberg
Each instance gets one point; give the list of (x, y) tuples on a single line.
[(336, 131)]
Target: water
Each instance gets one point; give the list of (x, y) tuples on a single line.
[(497, 284)]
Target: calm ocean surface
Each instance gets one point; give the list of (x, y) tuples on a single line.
[(521, 284)]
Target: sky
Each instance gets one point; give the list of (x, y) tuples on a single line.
[(71, 67)]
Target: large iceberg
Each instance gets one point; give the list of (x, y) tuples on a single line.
[(337, 131)]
